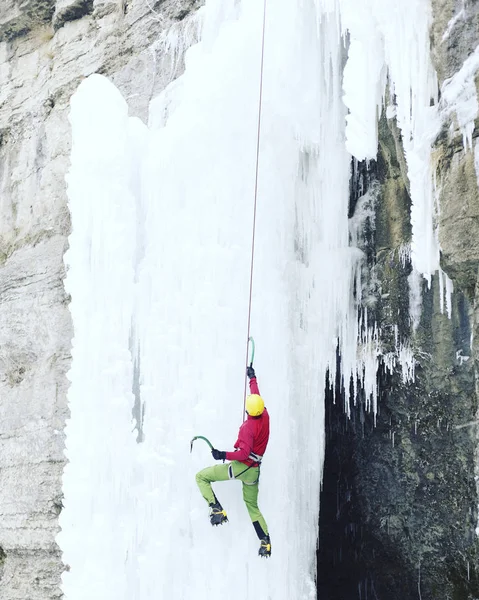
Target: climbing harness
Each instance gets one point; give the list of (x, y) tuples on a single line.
[(252, 456), (256, 457), (258, 142)]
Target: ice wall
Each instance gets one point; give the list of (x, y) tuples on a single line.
[(198, 196), (159, 268)]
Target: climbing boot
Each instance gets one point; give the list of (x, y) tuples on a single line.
[(217, 514), (265, 548)]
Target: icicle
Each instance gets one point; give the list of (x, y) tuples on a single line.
[(449, 291), (364, 81), (441, 291), (407, 362), (415, 298), (446, 288), (476, 159), (404, 252), (402, 46)]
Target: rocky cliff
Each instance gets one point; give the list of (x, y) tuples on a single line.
[(46, 48)]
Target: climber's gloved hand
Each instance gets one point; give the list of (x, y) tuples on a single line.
[(250, 371), (218, 454)]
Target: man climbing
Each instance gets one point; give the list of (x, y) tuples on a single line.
[(245, 465)]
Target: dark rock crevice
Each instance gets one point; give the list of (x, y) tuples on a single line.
[(72, 11), (3, 556)]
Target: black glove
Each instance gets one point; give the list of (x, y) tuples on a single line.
[(250, 371), (218, 454)]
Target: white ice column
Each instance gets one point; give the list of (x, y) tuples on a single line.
[(99, 512)]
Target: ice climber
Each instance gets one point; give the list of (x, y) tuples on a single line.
[(245, 465)]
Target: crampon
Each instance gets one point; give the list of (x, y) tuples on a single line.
[(265, 547), (217, 514)]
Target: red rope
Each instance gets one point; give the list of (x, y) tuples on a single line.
[(260, 111)]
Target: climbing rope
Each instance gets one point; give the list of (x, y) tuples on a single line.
[(260, 111)]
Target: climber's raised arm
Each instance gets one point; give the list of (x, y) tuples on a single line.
[(253, 384)]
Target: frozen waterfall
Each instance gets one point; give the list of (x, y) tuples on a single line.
[(158, 272)]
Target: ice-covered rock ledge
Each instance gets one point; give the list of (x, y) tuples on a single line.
[(46, 49)]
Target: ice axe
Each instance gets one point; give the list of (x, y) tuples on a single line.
[(250, 339), (200, 437)]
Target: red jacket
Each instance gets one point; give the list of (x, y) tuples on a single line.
[(253, 435)]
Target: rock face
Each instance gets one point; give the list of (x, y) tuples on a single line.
[(453, 35), (46, 48), (18, 17), (400, 498)]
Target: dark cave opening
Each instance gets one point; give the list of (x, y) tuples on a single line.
[(347, 552), (352, 562), (342, 571)]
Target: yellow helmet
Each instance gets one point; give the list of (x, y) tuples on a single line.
[(254, 405)]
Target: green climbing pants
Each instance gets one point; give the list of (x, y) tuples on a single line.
[(249, 478)]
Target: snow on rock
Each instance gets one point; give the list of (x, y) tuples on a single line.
[(459, 97)]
